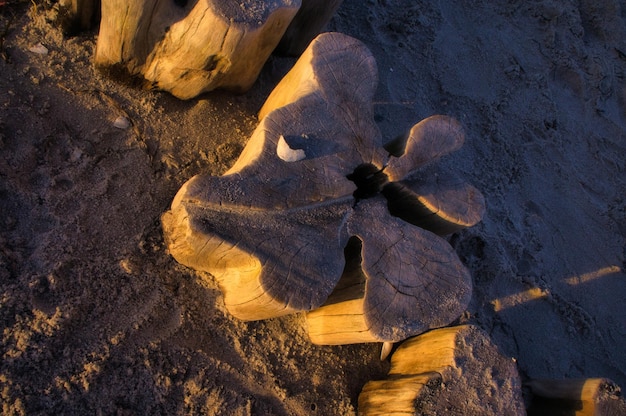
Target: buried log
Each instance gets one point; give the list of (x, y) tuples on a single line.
[(451, 371), (580, 397), (273, 229), (189, 47)]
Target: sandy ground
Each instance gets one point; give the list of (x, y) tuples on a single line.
[(97, 318)]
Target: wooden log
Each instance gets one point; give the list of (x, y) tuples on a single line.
[(397, 395), (475, 378), (272, 231), (579, 397), (191, 47), (306, 25), (273, 228)]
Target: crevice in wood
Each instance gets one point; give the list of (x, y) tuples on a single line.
[(351, 285), (369, 181)]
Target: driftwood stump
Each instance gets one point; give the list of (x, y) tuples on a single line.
[(189, 47), (579, 397), (275, 228), (451, 371)]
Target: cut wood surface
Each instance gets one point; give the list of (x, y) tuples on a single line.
[(397, 395), (273, 228), (580, 397), (476, 379), (396, 291), (190, 47)]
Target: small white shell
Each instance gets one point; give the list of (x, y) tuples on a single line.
[(39, 49), (121, 123), (286, 153), (385, 350)]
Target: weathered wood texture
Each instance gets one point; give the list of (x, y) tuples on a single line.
[(579, 397), (191, 46), (437, 201), (451, 371), (306, 25), (409, 281), (273, 232), (397, 395), (273, 229)]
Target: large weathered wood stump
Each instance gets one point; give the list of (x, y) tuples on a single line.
[(451, 371), (307, 191), (188, 47), (580, 397)]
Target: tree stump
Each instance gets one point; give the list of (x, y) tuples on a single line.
[(580, 397), (190, 47), (451, 371), (274, 229), (306, 25)]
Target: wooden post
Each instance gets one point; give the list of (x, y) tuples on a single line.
[(188, 47), (272, 229), (455, 370)]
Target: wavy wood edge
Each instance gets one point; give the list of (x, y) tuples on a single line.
[(399, 281), (306, 25)]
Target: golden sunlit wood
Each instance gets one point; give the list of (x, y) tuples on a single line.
[(437, 372)]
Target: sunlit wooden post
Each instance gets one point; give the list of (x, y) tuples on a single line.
[(188, 47)]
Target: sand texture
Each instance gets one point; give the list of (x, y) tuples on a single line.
[(98, 318)]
